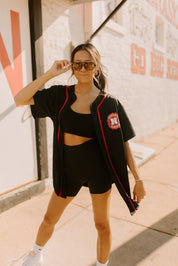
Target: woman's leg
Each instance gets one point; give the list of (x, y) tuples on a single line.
[(54, 211), (101, 207)]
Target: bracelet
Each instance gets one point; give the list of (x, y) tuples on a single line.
[(138, 180)]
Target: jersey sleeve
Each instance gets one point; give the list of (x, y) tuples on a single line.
[(126, 126), (45, 102)]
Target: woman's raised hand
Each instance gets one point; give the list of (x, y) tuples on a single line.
[(25, 96), (60, 67)]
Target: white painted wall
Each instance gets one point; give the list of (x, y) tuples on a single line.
[(151, 102), (17, 134), (63, 27), (57, 41)]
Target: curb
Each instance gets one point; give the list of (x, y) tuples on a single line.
[(22, 194)]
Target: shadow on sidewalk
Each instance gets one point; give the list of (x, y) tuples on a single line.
[(142, 245)]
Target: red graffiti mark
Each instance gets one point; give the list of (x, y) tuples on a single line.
[(13, 73)]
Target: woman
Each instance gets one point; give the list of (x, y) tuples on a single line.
[(91, 133)]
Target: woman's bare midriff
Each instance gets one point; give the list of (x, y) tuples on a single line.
[(72, 140)]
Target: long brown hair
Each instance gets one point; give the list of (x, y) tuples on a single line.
[(99, 78)]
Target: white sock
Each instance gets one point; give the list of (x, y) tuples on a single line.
[(37, 249), (100, 264)]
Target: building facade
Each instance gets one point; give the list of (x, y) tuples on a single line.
[(139, 48)]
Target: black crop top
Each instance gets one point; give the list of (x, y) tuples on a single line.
[(77, 123)]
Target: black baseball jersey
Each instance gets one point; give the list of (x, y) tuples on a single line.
[(112, 128)]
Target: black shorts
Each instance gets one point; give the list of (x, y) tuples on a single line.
[(84, 165)]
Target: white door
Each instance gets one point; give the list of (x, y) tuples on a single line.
[(17, 134)]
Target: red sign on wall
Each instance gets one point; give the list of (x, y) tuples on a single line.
[(157, 65), (138, 59), (172, 70), (13, 71)]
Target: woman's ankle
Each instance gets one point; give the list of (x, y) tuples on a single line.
[(37, 249), (102, 264)]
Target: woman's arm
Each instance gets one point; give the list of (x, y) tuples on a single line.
[(139, 190), (25, 96)]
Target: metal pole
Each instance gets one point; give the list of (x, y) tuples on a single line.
[(36, 32), (106, 20)]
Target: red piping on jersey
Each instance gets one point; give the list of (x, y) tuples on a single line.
[(67, 96), (108, 150)]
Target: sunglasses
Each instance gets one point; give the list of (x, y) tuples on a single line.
[(87, 65)]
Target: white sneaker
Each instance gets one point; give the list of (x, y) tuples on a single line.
[(33, 259)]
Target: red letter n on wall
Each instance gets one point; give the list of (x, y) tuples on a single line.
[(13, 73)]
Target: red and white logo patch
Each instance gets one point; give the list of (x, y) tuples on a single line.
[(113, 121)]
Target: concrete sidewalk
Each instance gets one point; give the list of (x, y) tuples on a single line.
[(150, 237)]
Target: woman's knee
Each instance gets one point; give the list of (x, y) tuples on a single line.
[(49, 220), (103, 227), (55, 209)]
